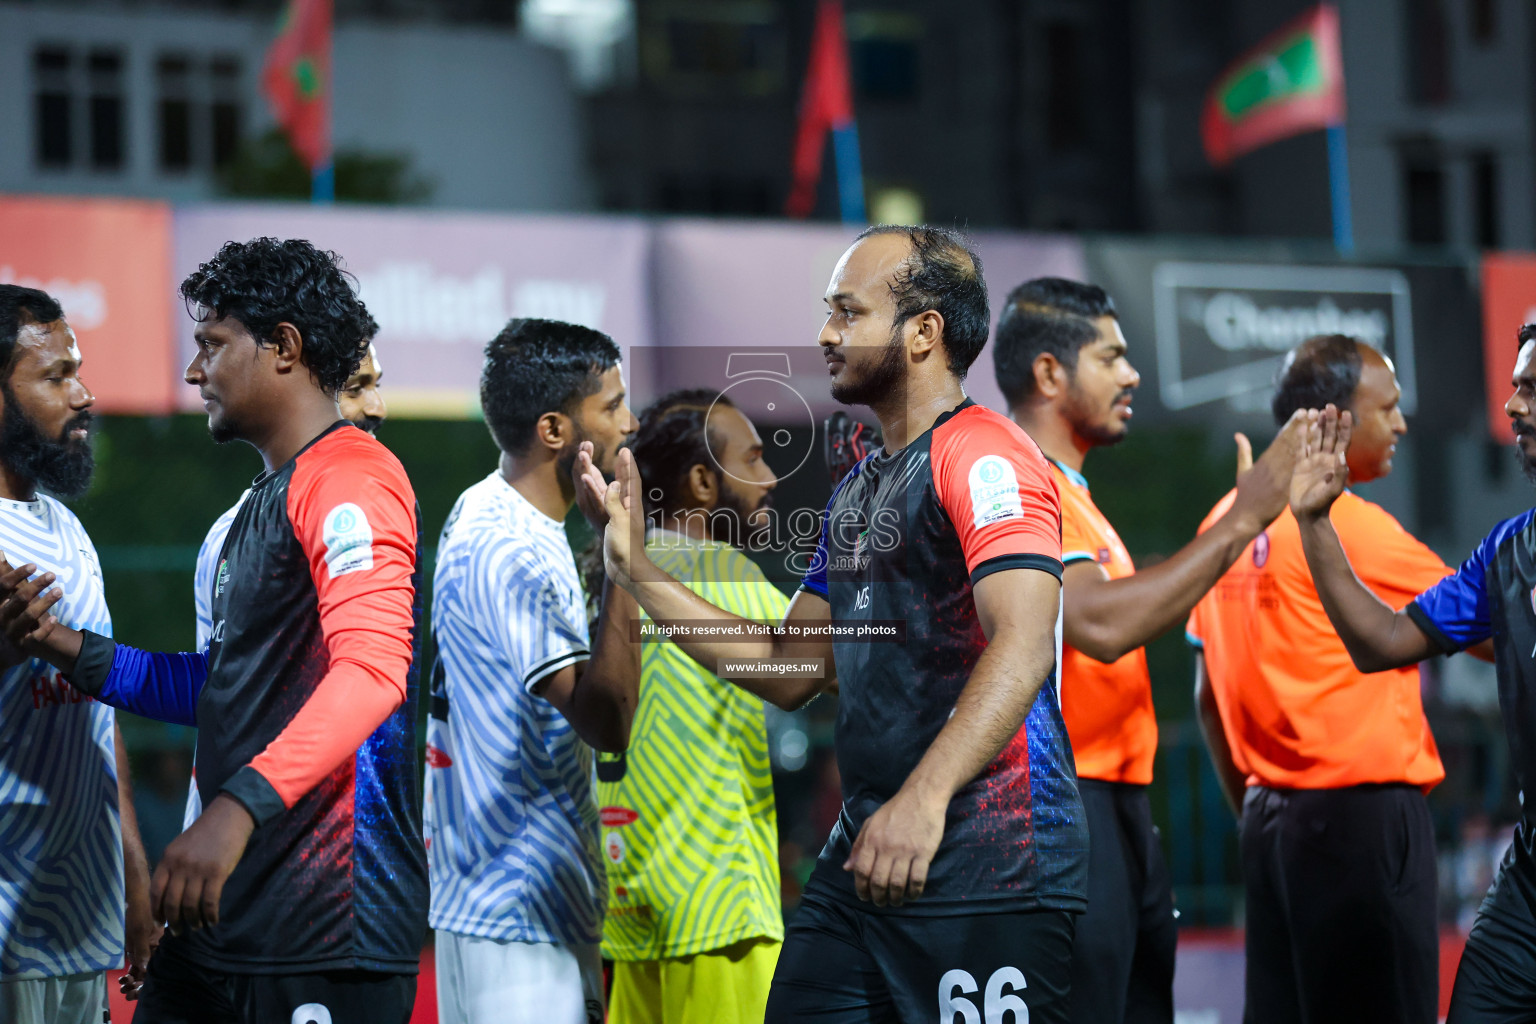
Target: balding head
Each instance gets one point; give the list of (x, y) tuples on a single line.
[(1322, 370), (941, 273)]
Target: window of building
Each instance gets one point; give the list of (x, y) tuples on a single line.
[(226, 109), (105, 77), (1064, 86), (173, 80), (53, 106), (884, 53), (1484, 18), (1429, 52), (1424, 198), (1485, 200), (736, 46)]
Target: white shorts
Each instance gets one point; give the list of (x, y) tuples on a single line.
[(483, 981), (71, 999)]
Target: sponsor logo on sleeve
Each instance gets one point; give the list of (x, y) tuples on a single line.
[(994, 491), (348, 540)]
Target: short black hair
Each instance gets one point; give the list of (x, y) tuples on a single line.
[(942, 273), (19, 307), (269, 281), (1047, 314), (672, 439), (537, 366), (1325, 368)]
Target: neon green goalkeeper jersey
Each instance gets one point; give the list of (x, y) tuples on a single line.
[(690, 836)]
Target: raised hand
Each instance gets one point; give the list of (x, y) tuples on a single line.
[(590, 488), (1264, 486), (624, 538), (1322, 469), (25, 623)]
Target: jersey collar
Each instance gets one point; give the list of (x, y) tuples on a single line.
[(1071, 474)]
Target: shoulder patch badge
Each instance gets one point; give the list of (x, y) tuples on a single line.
[(994, 491), (348, 540)]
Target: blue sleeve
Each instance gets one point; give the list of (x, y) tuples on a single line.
[(164, 687), (815, 579), (1454, 612)]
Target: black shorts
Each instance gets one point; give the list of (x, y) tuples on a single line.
[(1126, 944), (1341, 887), (178, 991), (1496, 981), (843, 964)]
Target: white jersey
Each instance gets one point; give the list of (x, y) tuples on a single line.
[(203, 580), (511, 821), (61, 847)]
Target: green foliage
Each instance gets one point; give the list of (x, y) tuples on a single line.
[(266, 167)]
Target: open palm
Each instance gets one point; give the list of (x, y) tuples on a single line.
[(1321, 469)]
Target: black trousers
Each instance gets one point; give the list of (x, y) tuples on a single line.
[(1496, 982), (842, 964), (1123, 955), (178, 991), (1341, 887)]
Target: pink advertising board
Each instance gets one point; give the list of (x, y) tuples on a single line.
[(441, 285)]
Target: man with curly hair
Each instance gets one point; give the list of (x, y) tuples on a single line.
[(300, 892)]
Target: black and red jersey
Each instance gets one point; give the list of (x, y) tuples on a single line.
[(305, 703), (906, 535)]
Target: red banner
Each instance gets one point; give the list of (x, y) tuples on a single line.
[(1509, 301), (108, 262)]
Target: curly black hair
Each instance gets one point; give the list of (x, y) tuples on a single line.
[(18, 307), (1047, 314), (269, 281), (943, 273), (537, 366), (672, 439)]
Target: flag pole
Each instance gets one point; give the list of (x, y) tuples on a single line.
[(1338, 190), (322, 184), (850, 173)]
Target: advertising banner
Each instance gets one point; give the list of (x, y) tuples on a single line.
[(1509, 302), (441, 285), (107, 262)]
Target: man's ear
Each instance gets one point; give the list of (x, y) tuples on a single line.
[(703, 486), (1050, 375), (928, 335), (554, 430), (287, 346)]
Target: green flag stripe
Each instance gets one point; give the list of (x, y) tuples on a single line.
[(1293, 69)]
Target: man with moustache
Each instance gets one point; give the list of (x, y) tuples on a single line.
[(1329, 765), (521, 694), (64, 859), (1487, 600), (690, 833), (300, 891), (1061, 363), (958, 863)]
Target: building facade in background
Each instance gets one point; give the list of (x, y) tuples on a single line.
[(127, 99)]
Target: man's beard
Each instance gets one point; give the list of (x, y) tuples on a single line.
[(1100, 435), (1527, 464), (730, 521), (566, 461), (880, 380), (369, 423), (59, 466)]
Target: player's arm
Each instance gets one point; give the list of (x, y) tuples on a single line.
[(143, 928), (1376, 636), (1017, 612), (668, 601), (1233, 782), (598, 696), (162, 686), (1107, 619)]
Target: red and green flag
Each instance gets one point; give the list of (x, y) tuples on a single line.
[(826, 105), (297, 79), (1292, 82)]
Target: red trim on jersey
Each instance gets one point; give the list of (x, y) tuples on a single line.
[(347, 483), (973, 454)]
